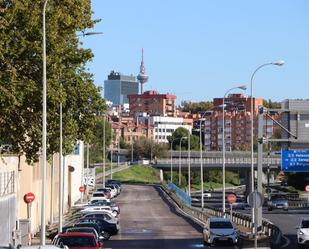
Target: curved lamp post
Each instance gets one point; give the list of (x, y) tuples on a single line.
[(275, 63), (223, 145)]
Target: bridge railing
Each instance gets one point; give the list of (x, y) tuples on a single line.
[(217, 160), (180, 193)]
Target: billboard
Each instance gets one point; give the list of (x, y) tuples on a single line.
[(295, 160)]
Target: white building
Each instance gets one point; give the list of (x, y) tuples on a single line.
[(165, 126)]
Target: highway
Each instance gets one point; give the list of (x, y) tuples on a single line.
[(149, 220), (285, 220)]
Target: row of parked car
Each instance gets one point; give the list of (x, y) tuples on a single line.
[(95, 221)]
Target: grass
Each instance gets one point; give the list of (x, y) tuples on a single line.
[(138, 174), (107, 167)]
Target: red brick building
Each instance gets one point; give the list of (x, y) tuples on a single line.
[(238, 102), (152, 103)]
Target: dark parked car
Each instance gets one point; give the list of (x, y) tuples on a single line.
[(101, 232), (77, 240), (104, 225)]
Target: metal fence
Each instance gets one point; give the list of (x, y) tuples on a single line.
[(180, 193), (7, 183)]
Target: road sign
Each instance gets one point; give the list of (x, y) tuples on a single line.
[(307, 188), (29, 197), (255, 199), (81, 189), (295, 160), (231, 198)]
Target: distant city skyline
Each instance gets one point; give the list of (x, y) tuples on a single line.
[(198, 51)]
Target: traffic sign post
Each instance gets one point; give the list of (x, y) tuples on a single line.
[(29, 198), (231, 198), (81, 189), (255, 200)]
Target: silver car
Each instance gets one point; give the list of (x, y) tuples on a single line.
[(278, 202), (219, 230), (303, 233)]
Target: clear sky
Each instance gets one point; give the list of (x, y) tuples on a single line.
[(200, 48)]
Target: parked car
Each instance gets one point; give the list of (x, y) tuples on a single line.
[(105, 226), (303, 233), (100, 209), (278, 202), (77, 240), (112, 181), (102, 215), (85, 230), (219, 229), (100, 203), (101, 232), (106, 191)]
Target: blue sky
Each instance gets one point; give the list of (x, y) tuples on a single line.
[(198, 49)]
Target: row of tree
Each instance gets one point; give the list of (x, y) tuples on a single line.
[(68, 80)]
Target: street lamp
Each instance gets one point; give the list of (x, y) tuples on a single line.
[(103, 165), (61, 157), (275, 63), (43, 194), (179, 177), (223, 145), (201, 161)]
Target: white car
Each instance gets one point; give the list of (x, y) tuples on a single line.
[(100, 209), (219, 230), (303, 233)]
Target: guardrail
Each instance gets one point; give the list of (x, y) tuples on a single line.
[(218, 160), (180, 193)]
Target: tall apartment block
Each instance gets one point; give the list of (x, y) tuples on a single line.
[(153, 104), (237, 123), (118, 86)]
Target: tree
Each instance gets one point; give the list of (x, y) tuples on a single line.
[(271, 105), (196, 107), (21, 75), (147, 148), (183, 132)]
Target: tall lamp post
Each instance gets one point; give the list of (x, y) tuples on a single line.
[(201, 162), (276, 63), (104, 156), (223, 144), (61, 157), (179, 177), (43, 132)]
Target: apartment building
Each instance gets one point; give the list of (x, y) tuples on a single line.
[(153, 104)]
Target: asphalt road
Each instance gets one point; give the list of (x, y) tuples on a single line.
[(148, 220)]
